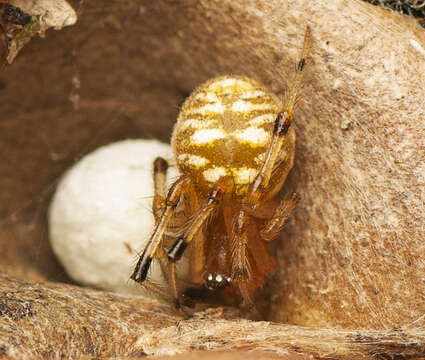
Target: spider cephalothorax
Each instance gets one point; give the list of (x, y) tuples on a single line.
[(234, 147)]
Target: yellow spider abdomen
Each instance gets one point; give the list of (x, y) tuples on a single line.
[(224, 129)]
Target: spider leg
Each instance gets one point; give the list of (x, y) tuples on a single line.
[(292, 95), (197, 259), (177, 249), (156, 289), (160, 166), (150, 250), (281, 127), (281, 214), (241, 267), (262, 188)]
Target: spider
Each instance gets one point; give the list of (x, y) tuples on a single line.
[(234, 147)]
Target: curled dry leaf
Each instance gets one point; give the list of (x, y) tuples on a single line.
[(22, 19)]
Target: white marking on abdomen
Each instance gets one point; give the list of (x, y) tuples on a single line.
[(193, 160), (195, 124), (245, 106), (212, 175), (252, 94), (205, 136), (216, 107), (229, 82), (244, 175), (208, 96), (262, 119), (254, 136)]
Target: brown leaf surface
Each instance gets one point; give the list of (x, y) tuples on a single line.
[(353, 255), (55, 320)]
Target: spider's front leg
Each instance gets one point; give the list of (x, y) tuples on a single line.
[(281, 133), (160, 167), (152, 249)]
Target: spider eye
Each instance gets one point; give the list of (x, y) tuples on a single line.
[(216, 281)]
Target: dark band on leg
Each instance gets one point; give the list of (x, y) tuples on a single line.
[(282, 124), (177, 250), (160, 165), (301, 65), (141, 270)]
